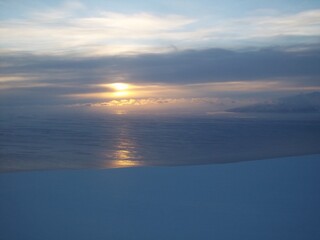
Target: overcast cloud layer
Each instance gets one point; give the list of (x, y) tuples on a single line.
[(28, 77)]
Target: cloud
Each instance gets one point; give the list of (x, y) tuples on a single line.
[(76, 28), (163, 101), (248, 73), (58, 30), (302, 103), (202, 66), (205, 105), (305, 23), (140, 23)]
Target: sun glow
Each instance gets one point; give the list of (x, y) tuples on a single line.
[(119, 86), (119, 89)]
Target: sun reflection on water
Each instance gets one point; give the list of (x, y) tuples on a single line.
[(125, 153)]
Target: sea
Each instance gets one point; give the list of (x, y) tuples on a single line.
[(80, 138)]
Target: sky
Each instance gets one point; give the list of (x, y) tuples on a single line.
[(207, 55)]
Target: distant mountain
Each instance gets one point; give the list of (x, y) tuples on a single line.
[(302, 103)]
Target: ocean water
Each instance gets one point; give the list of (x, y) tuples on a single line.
[(73, 139)]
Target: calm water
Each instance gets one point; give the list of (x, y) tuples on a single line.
[(80, 139)]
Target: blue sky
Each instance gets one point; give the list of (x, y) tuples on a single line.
[(225, 8), (231, 51)]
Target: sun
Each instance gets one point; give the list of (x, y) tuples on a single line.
[(120, 90), (119, 86)]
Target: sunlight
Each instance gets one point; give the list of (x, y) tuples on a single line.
[(126, 154), (124, 164), (124, 158), (120, 89), (119, 86), (120, 94)]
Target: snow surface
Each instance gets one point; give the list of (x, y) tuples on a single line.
[(268, 199)]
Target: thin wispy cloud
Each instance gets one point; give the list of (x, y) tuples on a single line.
[(74, 27), (304, 23), (107, 32)]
